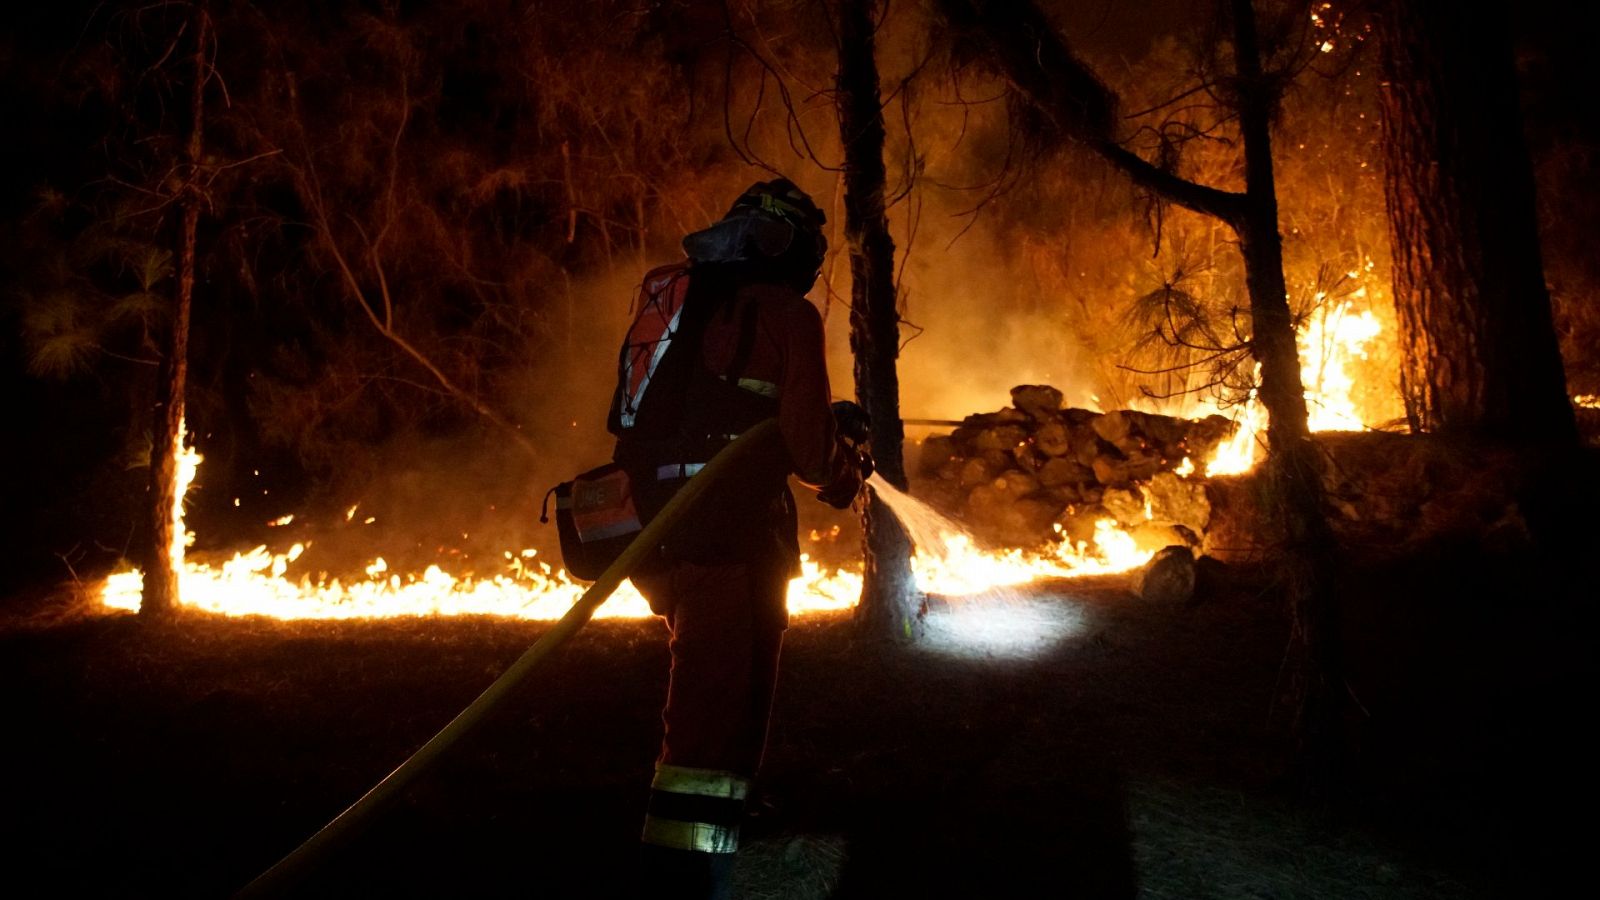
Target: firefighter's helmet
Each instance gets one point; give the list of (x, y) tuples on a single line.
[(774, 226)]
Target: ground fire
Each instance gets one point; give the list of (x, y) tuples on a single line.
[(759, 449), (262, 581)]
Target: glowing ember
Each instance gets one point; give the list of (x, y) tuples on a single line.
[(1587, 401)]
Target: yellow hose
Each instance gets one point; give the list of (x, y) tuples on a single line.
[(293, 868)]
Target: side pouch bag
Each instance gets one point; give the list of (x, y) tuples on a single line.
[(596, 519)]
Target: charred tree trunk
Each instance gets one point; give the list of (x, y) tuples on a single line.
[(890, 606), (163, 556), (1480, 351), (1074, 104), (1293, 462)]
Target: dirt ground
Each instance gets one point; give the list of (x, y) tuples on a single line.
[(1137, 752)]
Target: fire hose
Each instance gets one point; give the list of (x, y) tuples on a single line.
[(303, 859)]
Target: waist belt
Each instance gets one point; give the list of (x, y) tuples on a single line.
[(688, 470), (678, 470)]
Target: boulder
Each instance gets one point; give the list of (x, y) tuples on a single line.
[(1015, 484), (1111, 471), (1126, 505), (1168, 578), (1062, 495), (1039, 401), (1151, 536), (1203, 437), (1113, 426), (1178, 501), (934, 453), (1086, 445), (1053, 438), (1143, 465), (1164, 430), (1000, 437), (1077, 523), (975, 472), (1056, 472), (1028, 457), (996, 511)]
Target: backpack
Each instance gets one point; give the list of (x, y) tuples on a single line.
[(671, 415)]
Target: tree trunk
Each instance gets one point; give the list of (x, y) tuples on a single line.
[(1480, 351), (1074, 104), (890, 606), (164, 553), (1293, 462)]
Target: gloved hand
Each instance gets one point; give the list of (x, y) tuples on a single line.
[(858, 468), (853, 422), (865, 463)]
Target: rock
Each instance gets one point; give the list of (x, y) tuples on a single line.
[(1000, 437), (1112, 427), (1077, 417), (975, 471), (1204, 436), (1142, 466), (1015, 484), (1130, 444), (1062, 495), (1078, 522), (1056, 472), (1029, 523), (996, 512), (1028, 457), (951, 469), (1164, 430), (1086, 445), (1053, 438), (974, 426), (1177, 501), (1110, 471), (1150, 536), (998, 460), (1126, 505), (934, 453), (1040, 401), (1169, 578)]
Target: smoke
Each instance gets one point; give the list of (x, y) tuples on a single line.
[(1013, 270)]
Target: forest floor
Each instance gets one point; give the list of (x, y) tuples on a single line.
[(1140, 753)]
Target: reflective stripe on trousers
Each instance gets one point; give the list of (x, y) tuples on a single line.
[(695, 809)]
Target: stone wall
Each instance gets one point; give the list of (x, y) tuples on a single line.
[(1017, 475)]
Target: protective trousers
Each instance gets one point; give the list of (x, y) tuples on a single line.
[(727, 623)]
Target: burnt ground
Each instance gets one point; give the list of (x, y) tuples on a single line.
[(1142, 756)]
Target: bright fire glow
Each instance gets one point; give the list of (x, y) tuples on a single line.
[(947, 562), (1330, 342)]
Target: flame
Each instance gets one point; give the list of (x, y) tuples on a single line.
[(946, 561), (1330, 342), (1587, 401)]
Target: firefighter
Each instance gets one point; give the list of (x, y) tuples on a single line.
[(722, 340)]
